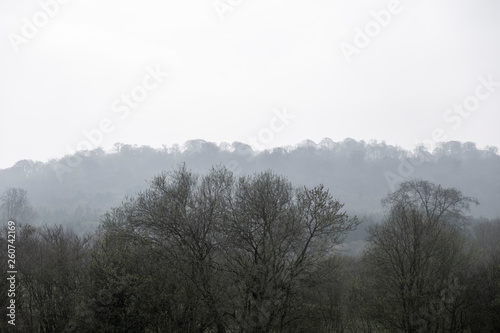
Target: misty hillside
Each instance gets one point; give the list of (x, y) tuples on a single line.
[(78, 189)]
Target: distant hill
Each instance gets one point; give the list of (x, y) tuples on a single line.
[(78, 188)]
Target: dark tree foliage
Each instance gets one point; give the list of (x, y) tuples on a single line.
[(223, 253), (51, 280)]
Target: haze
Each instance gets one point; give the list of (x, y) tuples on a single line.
[(231, 70)]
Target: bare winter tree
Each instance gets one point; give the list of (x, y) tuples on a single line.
[(14, 205), (237, 250), (418, 258), (275, 236)]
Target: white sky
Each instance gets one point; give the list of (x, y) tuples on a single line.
[(227, 76)]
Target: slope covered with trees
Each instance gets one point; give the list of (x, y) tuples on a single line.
[(77, 189)]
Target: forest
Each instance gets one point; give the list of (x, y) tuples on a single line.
[(218, 238), (77, 189)]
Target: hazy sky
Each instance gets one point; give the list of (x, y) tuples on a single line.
[(386, 70)]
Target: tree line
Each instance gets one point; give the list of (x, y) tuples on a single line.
[(355, 169), (225, 253)]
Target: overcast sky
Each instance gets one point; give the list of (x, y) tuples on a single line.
[(280, 71)]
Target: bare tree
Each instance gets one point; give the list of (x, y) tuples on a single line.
[(435, 203), (273, 237), (417, 259), (15, 206), (175, 222), (484, 294), (237, 250), (52, 269)]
